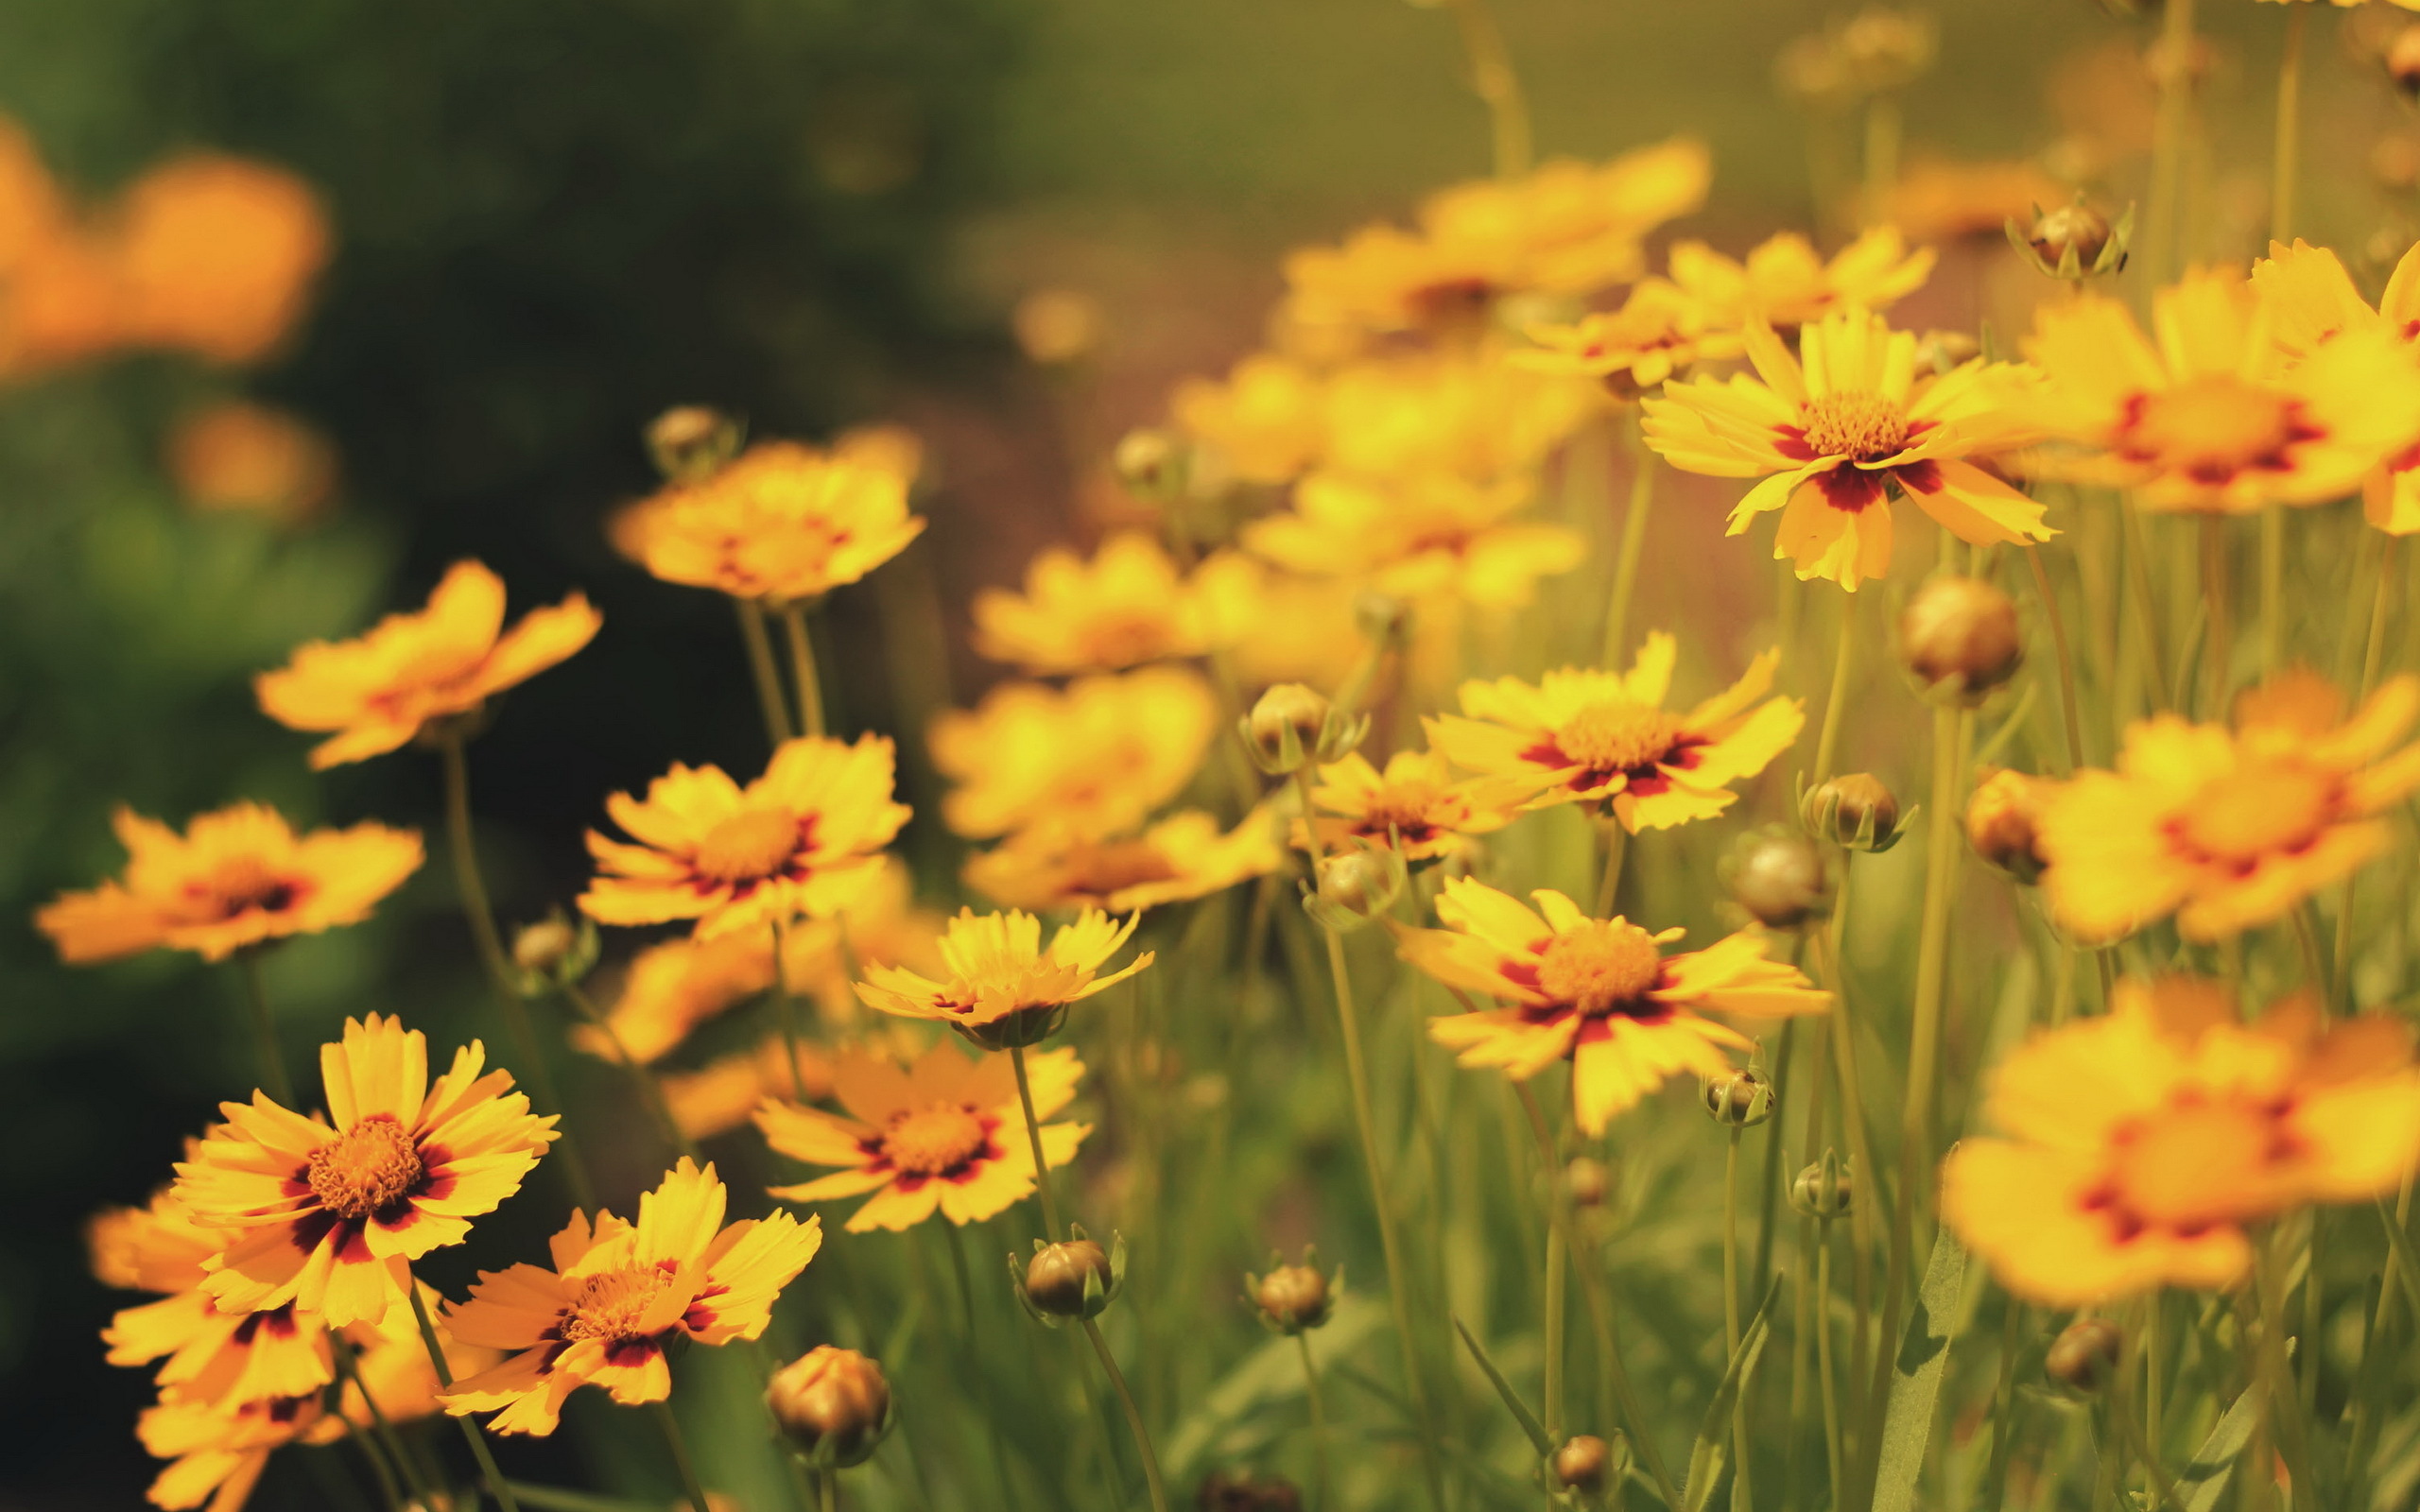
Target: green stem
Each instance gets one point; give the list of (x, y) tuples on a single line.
[(786, 1007), (1741, 1498), (2138, 582), (1617, 848), (650, 1091), (272, 1060), (1835, 1457), (2066, 666), (348, 1369), (1853, 1118), (1050, 1228), (803, 672), (1827, 743), (2289, 137), (974, 1366), (2280, 1405), (681, 1461), (2004, 1409), (2273, 587), (2163, 225), (828, 1491), (2218, 648), (1882, 131), (1498, 86), (489, 1476), (1634, 542), (2366, 1406), (1126, 1400), (761, 669), (1319, 1422)]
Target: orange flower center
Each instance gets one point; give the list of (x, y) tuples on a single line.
[(1618, 735), (1600, 966), (934, 1140), (2212, 427), (1100, 869), (367, 1169), (2258, 812), (1853, 425), (612, 1303), (1118, 638), (748, 845), (2197, 1164), (1403, 807), (245, 883)]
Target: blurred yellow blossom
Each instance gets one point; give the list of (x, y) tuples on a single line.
[(1266, 421), (1182, 858), (1415, 805), (1127, 606), (1785, 283), (1659, 330), (241, 457), (1428, 534), (2311, 301), (1090, 761)]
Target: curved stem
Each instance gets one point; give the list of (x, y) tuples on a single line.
[(1319, 1422), (680, 1460), (762, 670), (1133, 1414), (1634, 542), (803, 672), (1497, 85), (1050, 1228), (272, 1060), (2273, 587), (489, 1476)]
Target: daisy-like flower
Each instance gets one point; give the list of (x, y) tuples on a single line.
[(1182, 858), (2141, 1145), (237, 877), (2230, 827), (620, 1295), (805, 837), (1833, 438), (1265, 421), (1090, 761), (721, 1094), (379, 690), (941, 1134), (328, 1213), (1415, 805), (1600, 993), (783, 523), (1128, 606), (1661, 330), (1420, 537), (1783, 282), (2311, 301), (1003, 988), (1584, 736), (2205, 419)]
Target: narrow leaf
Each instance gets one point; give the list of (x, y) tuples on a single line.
[(1520, 1411), (1708, 1454), (1915, 1379), (2204, 1480)]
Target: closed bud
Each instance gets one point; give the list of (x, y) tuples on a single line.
[(1241, 1491), (1958, 637), (541, 947), (1285, 726), (1586, 1182), (1356, 886), (833, 1405), (690, 442), (2403, 61), (1855, 811), (1073, 1278), (2003, 820), (1152, 464), (1292, 1297), (1587, 1464), (2075, 241), (1938, 351), (1824, 1190), (1381, 617), (1780, 877), (1737, 1099), (2085, 1355)]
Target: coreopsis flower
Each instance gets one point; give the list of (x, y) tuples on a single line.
[(2204, 419), (2229, 826), (1432, 535), (1128, 606), (237, 877), (1584, 736), (1470, 412), (1180, 858), (1600, 993), (1092, 760), (805, 837), (1415, 805), (379, 690), (1785, 283), (2140, 1146), (237, 457), (620, 1296), (1266, 422), (721, 1094), (1833, 438), (1004, 988), (941, 1134), (784, 521), (326, 1213), (216, 255), (1659, 330), (2311, 301)]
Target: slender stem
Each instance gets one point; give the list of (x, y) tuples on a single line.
[(650, 1091), (761, 669), (2218, 645), (489, 1476), (2273, 587), (2289, 113), (389, 1491), (2280, 1406), (2138, 584), (1833, 1452), (2004, 1410), (1610, 881), (1050, 1228), (2066, 661), (1853, 1118), (1741, 1496), (973, 1366), (1133, 1417), (681, 1461), (828, 1491), (272, 1060), (348, 1369), (2154, 1367), (1769, 1184), (2306, 944), (2315, 1318), (1882, 131), (2365, 1407), (1498, 86), (2161, 1482), (803, 672), (1633, 541), (1827, 744), (2164, 228), (785, 1007), (1319, 1422)]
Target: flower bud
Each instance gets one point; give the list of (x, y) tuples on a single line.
[(1938, 351), (1855, 811), (541, 947), (1356, 886), (1884, 48), (2074, 241), (1292, 1297), (2402, 62), (832, 1404), (1226, 1491), (1586, 1182), (1152, 464), (1959, 636), (1283, 727), (1587, 1464), (2003, 819), (1738, 1099), (1827, 1189), (1380, 617), (2085, 1355), (691, 443), (1075, 1277), (1782, 879)]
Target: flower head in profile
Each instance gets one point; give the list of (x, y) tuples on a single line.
[(2229, 826), (1180, 858), (941, 1134), (1584, 736), (237, 877), (1835, 436), (1783, 282), (620, 1295), (2139, 1147), (1415, 805), (1600, 993), (1660, 330), (1092, 760), (1127, 606), (1431, 535), (2311, 301), (326, 1213), (1004, 988), (805, 837), (379, 690)]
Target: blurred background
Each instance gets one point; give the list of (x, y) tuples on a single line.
[(545, 220)]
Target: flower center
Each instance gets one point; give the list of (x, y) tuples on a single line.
[(2258, 812), (1403, 807), (612, 1303), (1120, 638), (1600, 966), (934, 1140), (2212, 427), (1618, 735), (2198, 1164), (750, 845), (1854, 424), (1097, 870), (367, 1169), (245, 883)]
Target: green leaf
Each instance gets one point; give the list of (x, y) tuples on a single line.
[(1520, 1411), (2203, 1479), (1707, 1455), (1915, 1378)]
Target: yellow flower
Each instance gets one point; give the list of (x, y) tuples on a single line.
[(241, 457), (2225, 827), (2203, 421), (1937, 199), (1659, 330), (379, 690), (1428, 536), (1415, 805), (325, 1215), (720, 1095), (1834, 438), (1783, 282), (1471, 414), (2311, 301), (1180, 858), (1266, 422), (1584, 736), (1090, 761), (235, 878), (620, 1296), (1003, 988), (2143, 1145), (216, 255), (1300, 628), (1126, 607), (805, 837), (1599, 992), (941, 1134), (783, 522)]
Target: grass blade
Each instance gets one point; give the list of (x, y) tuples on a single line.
[(1709, 1453), (1915, 1379), (2203, 1479), (1519, 1409)]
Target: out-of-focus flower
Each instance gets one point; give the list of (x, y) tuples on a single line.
[(239, 457), (1057, 326), (721, 1094), (2311, 302), (1783, 282), (1127, 606), (1182, 858), (1089, 761), (1266, 421), (1959, 638), (1004, 988), (237, 877), (1470, 414), (2004, 823), (380, 689), (317, 1212), (1586, 736), (1415, 805), (1421, 536), (1939, 201), (1599, 993), (2141, 1145), (2229, 826), (1660, 330), (216, 256), (1301, 628), (620, 1296), (1885, 47), (1832, 438), (833, 1405), (805, 837), (943, 1134)]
